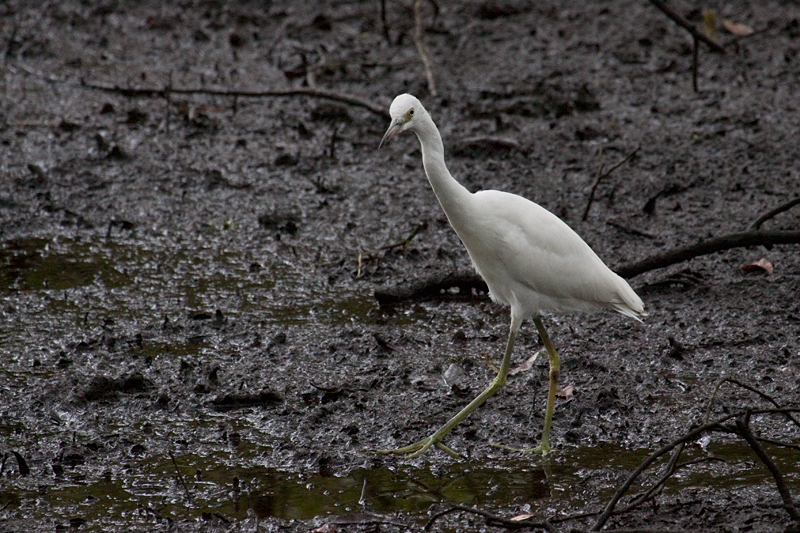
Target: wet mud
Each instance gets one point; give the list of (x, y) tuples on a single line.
[(189, 338)]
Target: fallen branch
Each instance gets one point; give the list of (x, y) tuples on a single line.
[(602, 176), (708, 246), (688, 26), (299, 91), (772, 213), (438, 287), (427, 63)]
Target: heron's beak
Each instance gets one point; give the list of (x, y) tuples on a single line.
[(394, 128)]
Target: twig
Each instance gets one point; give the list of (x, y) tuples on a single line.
[(662, 481), (385, 24), (709, 246), (743, 425), (633, 231), (333, 142), (298, 91), (695, 62), (735, 381), (779, 443), (602, 176), (180, 477), (422, 49), (403, 243), (168, 92), (685, 24), (494, 519), (671, 468), (770, 214), (439, 515)]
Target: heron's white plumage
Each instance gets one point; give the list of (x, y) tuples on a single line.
[(530, 259)]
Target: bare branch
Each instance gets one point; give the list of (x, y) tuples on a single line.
[(298, 91), (403, 243), (604, 175), (422, 49), (708, 246)]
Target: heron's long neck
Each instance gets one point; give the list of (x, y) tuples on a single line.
[(451, 194)]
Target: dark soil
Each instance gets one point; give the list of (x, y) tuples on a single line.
[(188, 334)]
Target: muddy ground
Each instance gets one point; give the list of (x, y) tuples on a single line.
[(189, 342)]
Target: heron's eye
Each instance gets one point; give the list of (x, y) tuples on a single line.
[(411, 112)]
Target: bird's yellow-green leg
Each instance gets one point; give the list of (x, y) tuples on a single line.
[(497, 383), (555, 369)]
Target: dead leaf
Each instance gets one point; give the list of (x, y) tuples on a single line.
[(762, 265), (566, 392), (710, 24), (521, 517), (527, 365), (489, 363), (735, 28)]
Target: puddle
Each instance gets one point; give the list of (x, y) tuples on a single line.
[(28, 265), (214, 486)]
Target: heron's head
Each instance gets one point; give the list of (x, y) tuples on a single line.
[(406, 111)]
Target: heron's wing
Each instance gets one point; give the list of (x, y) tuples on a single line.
[(521, 242)]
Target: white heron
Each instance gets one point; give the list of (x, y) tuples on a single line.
[(530, 259)]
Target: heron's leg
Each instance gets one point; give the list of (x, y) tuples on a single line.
[(555, 369), (497, 383)]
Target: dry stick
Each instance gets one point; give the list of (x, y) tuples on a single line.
[(384, 23), (695, 61), (771, 214), (604, 175), (735, 381), (510, 524), (168, 95), (299, 91), (668, 471), (180, 477), (421, 225), (423, 51), (779, 443), (688, 26), (742, 424), (439, 515), (709, 246), (662, 481), (688, 437)]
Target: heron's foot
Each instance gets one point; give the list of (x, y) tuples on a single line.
[(543, 449), (418, 448)]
